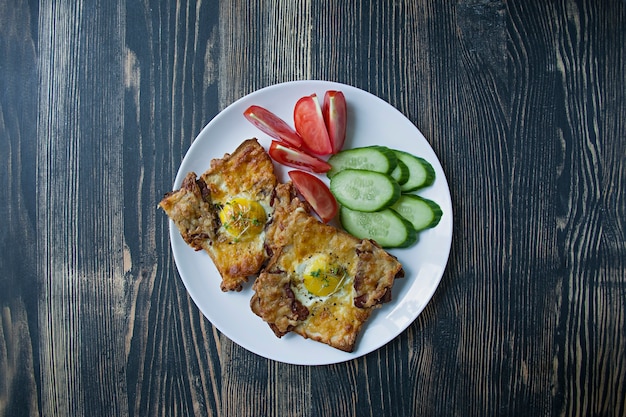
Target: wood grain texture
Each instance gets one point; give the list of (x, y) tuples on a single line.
[(592, 204), (19, 364), (523, 101), (80, 231)]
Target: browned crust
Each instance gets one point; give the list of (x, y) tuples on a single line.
[(275, 301), (376, 271), (192, 212)]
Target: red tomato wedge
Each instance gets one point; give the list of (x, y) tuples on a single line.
[(296, 158), (316, 193), (272, 125), (335, 114), (310, 125)]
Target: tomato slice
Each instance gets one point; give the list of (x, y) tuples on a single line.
[(309, 123), (335, 113), (316, 193), (272, 125), (296, 158)]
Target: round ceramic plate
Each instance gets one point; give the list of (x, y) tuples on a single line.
[(371, 121)]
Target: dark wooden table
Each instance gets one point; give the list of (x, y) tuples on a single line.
[(523, 101)]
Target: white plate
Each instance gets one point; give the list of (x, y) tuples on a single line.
[(371, 121)]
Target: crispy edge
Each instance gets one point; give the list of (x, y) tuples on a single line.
[(376, 272), (192, 212), (274, 300)]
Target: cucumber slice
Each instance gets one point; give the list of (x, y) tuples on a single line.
[(421, 172), (401, 173), (372, 158), (421, 212), (363, 190), (386, 227)]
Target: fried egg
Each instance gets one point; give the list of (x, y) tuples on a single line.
[(226, 210), (320, 282), (243, 218), (321, 277)]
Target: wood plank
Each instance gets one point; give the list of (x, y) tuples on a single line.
[(19, 351), (590, 220), (82, 316)]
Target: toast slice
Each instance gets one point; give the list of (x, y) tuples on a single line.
[(225, 212), (320, 282)]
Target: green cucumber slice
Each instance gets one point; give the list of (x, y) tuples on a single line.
[(421, 212), (421, 172), (372, 158), (363, 190), (386, 227), (401, 173)]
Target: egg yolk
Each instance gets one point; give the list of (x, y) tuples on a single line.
[(321, 278), (242, 218)]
